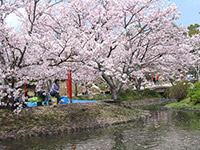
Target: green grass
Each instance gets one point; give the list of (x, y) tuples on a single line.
[(186, 103), (138, 95), (126, 95), (94, 97)]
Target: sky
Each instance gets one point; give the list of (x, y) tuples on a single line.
[(189, 11)]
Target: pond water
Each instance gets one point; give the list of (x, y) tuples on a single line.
[(164, 130)]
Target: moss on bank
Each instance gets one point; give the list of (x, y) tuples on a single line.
[(184, 104), (48, 120)]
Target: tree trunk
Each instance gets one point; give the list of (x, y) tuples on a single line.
[(49, 83), (76, 89), (138, 83), (115, 94), (8, 100), (115, 86)]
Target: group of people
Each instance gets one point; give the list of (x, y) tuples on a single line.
[(46, 96), (172, 78), (155, 79)]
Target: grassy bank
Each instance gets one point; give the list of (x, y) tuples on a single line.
[(184, 104), (125, 95), (93, 97), (131, 95), (48, 120)]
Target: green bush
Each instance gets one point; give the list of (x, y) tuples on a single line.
[(194, 93), (179, 90)]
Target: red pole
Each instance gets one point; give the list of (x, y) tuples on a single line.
[(24, 89), (133, 78), (70, 85), (86, 88)]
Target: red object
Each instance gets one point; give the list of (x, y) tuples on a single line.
[(69, 85), (157, 77), (86, 89), (133, 78), (154, 114), (24, 89)]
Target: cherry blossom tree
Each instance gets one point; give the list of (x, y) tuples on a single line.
[(111, 39), (194, 44), (9, 53), (38, 51), (21, 57), (119, 39)]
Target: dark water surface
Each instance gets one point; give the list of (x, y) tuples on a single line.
[(164, 130)]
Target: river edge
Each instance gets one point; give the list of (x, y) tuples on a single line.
[(48, 120), (183, 109), (184, 105)]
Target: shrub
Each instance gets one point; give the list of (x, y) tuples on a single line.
[(194, 93), (179, 90)]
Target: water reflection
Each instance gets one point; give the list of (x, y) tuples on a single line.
[(73, 147), (119, 141), (164, 130)]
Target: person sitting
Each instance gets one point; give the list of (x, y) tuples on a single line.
[(54, 91), (171, 79), (47, 98), (18, 98)]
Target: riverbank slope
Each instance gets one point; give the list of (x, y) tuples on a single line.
[(185, 104), (48, 120)]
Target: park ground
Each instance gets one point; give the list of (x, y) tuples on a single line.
[(48, 120)]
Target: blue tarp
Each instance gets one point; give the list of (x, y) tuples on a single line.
[(66, 101), (33, 104)]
